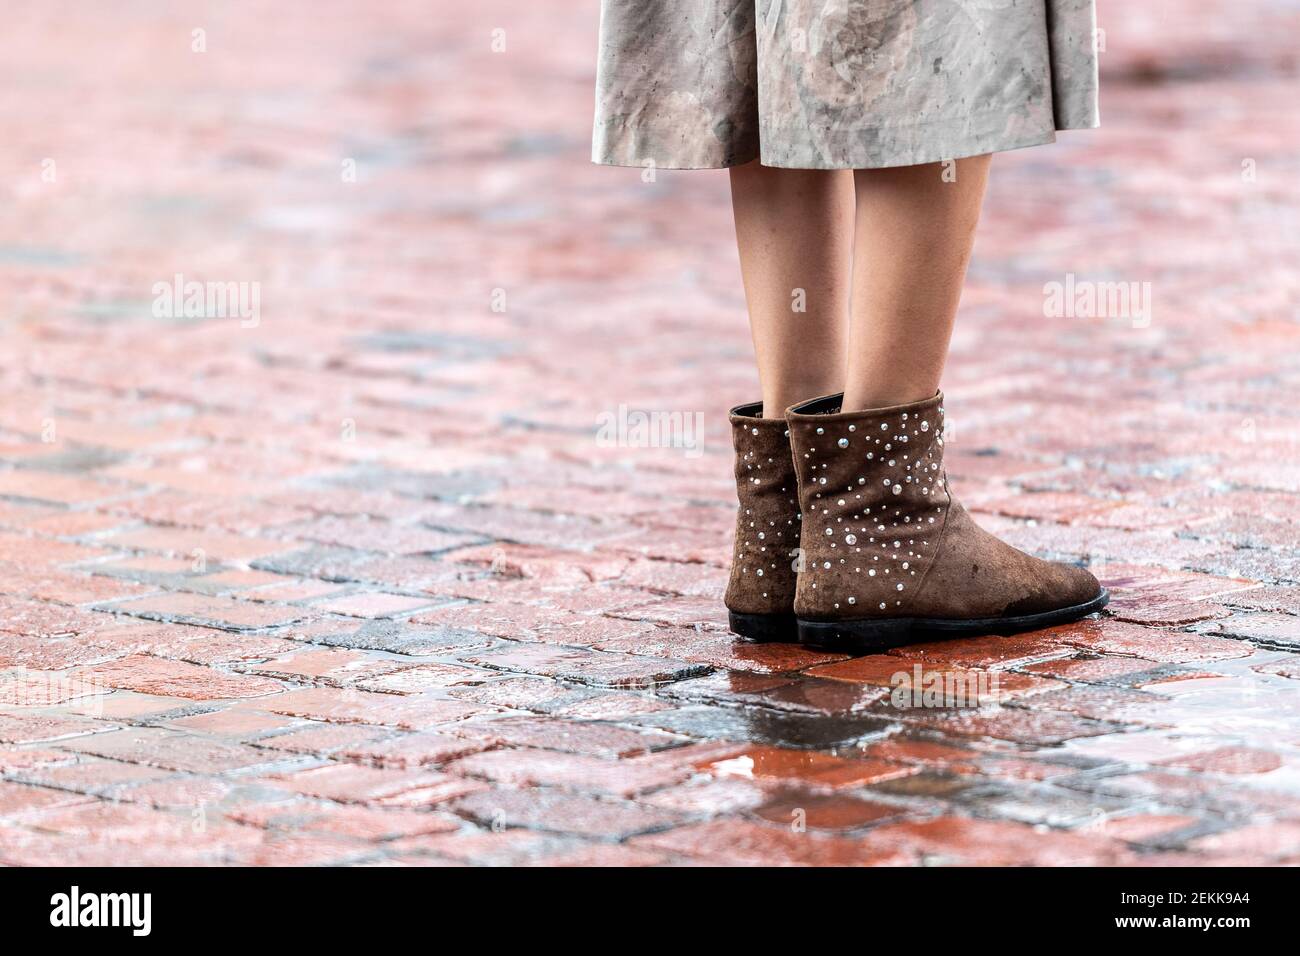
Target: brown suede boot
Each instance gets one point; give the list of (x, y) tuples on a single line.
[(891, 557), (760, 593)]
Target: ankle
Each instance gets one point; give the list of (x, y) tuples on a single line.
[(862, 399), (781, 397)]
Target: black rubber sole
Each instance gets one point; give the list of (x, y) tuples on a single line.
[(867, 635), (765, 628)]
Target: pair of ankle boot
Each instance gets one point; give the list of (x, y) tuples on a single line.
[(847, 536)]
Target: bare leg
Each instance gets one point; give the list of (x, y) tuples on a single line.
[(914, 236), (794, 229)]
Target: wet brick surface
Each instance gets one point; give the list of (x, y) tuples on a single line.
[(360, 582)]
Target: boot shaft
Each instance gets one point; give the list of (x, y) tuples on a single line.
[(874, 498), (767, 521)]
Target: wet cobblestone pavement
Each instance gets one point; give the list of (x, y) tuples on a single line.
[(352, 579)]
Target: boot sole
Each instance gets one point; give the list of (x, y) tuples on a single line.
[(765, 628), (865, 635)]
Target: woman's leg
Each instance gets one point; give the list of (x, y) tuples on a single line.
[(915, 229), (889, 556), (794, 229)]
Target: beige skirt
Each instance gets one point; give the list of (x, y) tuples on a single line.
[(838, 84)]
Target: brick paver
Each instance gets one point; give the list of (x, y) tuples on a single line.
[(359, 581)]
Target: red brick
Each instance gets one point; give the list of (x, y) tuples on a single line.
[(1098, 670), (235, 580), (705, 797), (835, 812), (351, 783), (70, 587), (310, 849), (679, 612), (332, 667), (373, 605), (113, 824), (508, 847), (1172, 614), (290, 591), (17, 759), (529, 527), (24, 728), (433, 793), (423, 677), (586, 630), (232, 722), (185, 642), (1232, 760), (612, 706), (674, 577), (988, 652), (154, 675), (961, 841), (225, 613), (735, 843), (735, 687), (589, 600), (1285, 598), (887, 671), (171, 750), (1170, 647), (365, 534), (1276, 629), (667, 543), (1289, 667), (913, 750), (179, 793), (1274, 840), (583, 666), (100, 777), (324, 739), (1049, 506), (33, 619), (1016, 769), (542, 563), (607, 855), (411, 750), (63, 489), (807, 767), (32, 688), (569, 736), (815, 696), (1044, 728), (1191, 791), (515, 621), (562, 813), (214, 546), (125, 705), (707, 647), (1103, 703), (1144, 827), (73, 524), (525, 693), (353, 706), (629, 777), (17, 799), (361, 822)]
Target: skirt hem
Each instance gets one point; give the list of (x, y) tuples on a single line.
[(918, 157)]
